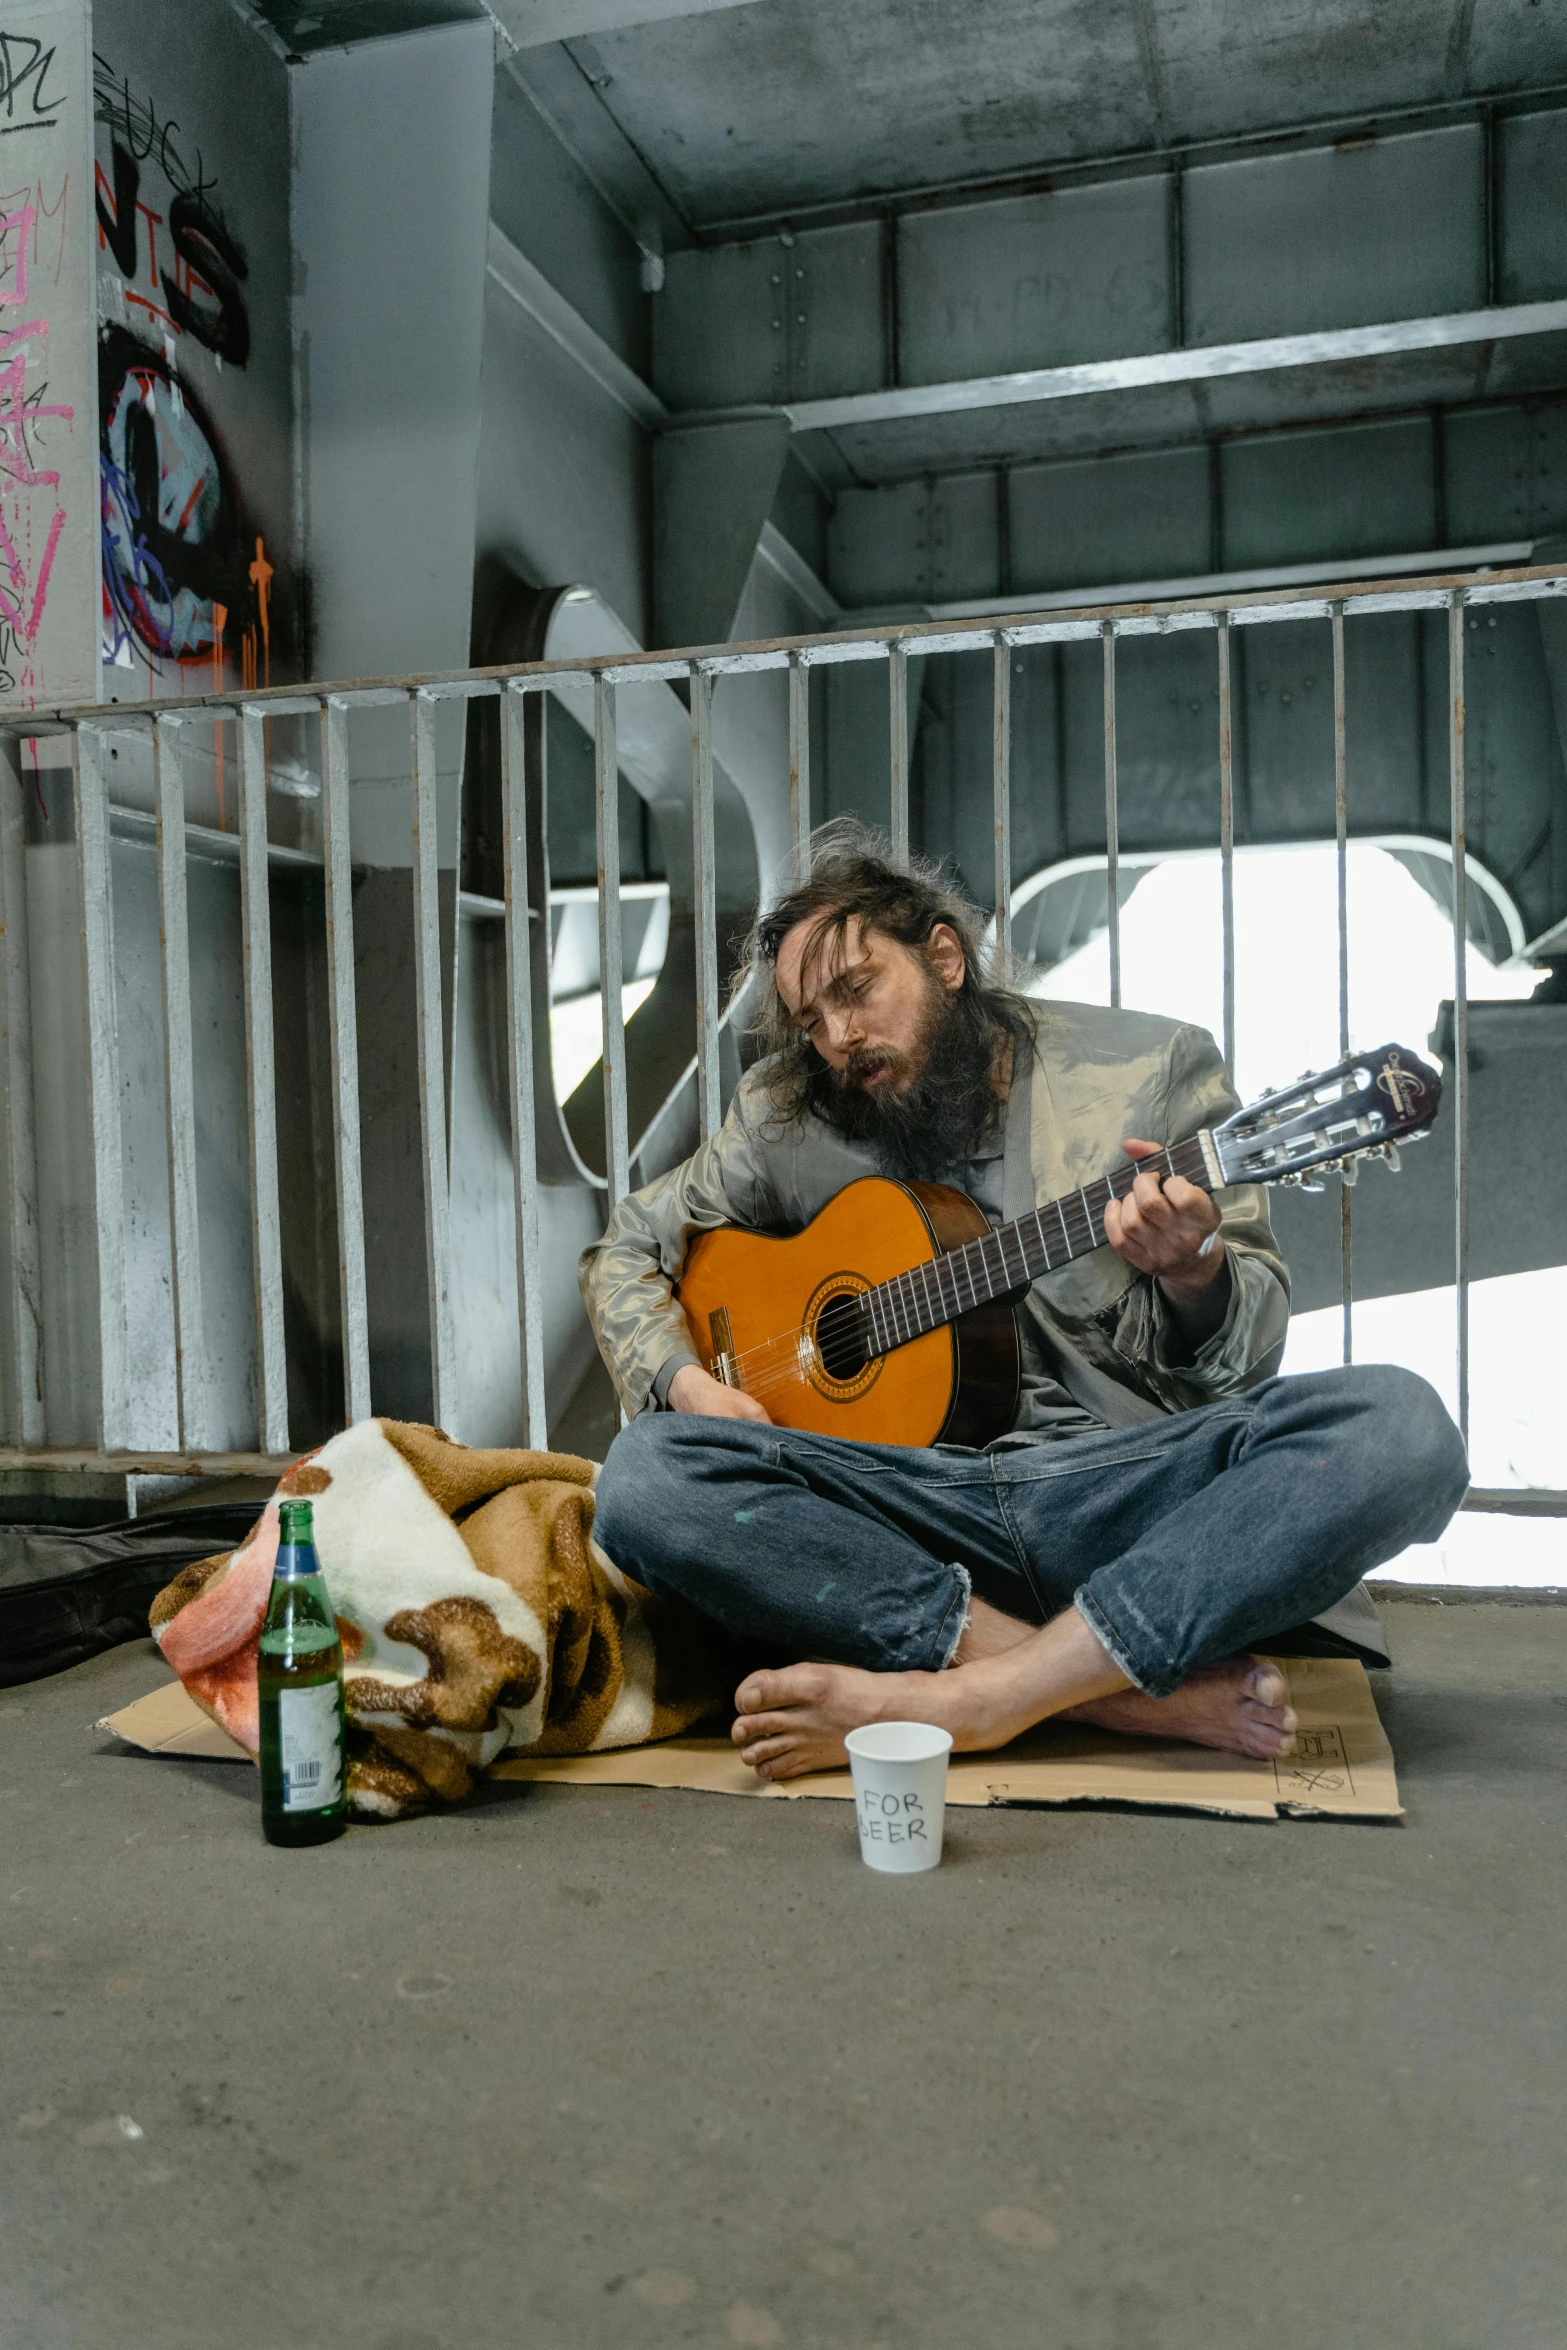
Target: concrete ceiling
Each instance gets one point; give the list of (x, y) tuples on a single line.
[(752, 113)]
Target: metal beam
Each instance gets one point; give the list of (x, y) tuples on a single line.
[(1330, 347)]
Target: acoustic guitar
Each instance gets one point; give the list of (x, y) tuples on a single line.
[(891, 1319)]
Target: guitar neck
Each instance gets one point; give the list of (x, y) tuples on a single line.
[(1009, 1260)]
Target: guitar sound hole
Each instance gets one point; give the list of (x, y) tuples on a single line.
[(840, 1337)]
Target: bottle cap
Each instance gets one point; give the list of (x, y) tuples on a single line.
[(294, 1524)]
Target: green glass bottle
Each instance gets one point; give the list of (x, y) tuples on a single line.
[(304, 1770)]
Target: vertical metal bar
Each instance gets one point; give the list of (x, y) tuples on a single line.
[(1112, 815), (23, 1336), (606, 808), (800, 764), (898, 711), (343, 1025), (255, 911), (1455, 685), (519, 1036), (103, 1080), (1227, 842), (179, 1082), (709, 1099), (1341, 846), (1001, 791), (432, 1066)]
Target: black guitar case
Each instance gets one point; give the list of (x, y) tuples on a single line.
[(66, 1592)]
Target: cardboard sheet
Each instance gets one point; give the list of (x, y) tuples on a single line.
[(1342, 1767)]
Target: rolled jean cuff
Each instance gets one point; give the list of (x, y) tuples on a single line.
[(953, 1624), (1142, 1676)]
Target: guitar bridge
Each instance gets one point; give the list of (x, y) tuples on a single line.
[(722, 1363)]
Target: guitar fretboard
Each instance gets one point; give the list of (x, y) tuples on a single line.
[(1010, 1259)]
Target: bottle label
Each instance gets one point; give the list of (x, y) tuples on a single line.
[(312, 1755)]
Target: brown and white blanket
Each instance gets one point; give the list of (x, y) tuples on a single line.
[(479, 1618)]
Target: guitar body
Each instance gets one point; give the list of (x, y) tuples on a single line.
[(766, 1304)]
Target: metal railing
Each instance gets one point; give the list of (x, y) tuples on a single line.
[(170, 729)]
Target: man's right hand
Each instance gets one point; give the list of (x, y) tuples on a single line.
[(694, 1390)]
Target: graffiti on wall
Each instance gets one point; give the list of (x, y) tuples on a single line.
[(186, 579), (35, 420)]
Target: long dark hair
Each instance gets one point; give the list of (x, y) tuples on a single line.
[(854, 875)]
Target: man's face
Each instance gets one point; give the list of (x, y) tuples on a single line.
[(865, 1002)]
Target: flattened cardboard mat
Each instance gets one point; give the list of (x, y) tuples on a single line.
[(1342, 1767)]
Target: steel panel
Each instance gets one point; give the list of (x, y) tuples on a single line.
[(1035, 281), (1335, 236)]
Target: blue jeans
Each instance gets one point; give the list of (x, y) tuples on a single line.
[(1180, 1541)]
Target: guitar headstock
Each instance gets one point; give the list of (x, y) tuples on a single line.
[(1369, 1103)]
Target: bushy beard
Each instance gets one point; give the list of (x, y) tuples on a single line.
[(924, 1130)]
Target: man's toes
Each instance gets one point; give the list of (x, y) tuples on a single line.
[(1281, 1718), (792, 1685), (749, 1727), (1267, 1740), (761, 1751), (1267, 1684)]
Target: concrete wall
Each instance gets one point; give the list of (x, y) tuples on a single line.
[(193, 173)]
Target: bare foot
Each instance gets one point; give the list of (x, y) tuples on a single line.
[(796, 1720), (1241, 1704)]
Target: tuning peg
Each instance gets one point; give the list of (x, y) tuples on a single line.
[(1390, 1153), (1305, 1186), (1349, 1169)]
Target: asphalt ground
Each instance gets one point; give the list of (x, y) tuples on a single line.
[(583, 2068)]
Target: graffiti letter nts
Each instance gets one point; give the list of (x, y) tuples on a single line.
[(204, 245)]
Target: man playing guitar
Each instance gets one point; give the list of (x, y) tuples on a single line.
[(1161, 1505)]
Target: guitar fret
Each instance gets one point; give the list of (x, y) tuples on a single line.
[(928, 1295), (931, 1318)]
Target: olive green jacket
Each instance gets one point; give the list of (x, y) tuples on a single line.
[(1098, 1076)]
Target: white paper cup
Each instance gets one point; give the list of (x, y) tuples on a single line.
[(900, 1793)]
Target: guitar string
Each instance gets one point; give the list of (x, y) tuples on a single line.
[(897, 1296), (783, 1366)]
